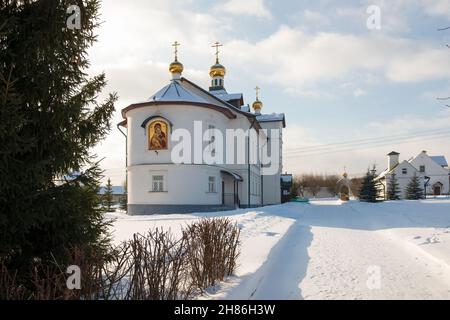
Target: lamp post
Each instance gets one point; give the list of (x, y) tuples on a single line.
[(427, 180)]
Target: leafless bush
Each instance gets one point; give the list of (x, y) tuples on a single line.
[(212, 247), (154, 266), (10, 289)]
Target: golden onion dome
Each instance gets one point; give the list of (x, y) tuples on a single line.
[(217, 70), (345, 175), (176, 67), (257, 105)]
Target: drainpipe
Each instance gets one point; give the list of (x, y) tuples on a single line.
[(427, 180), (126, 156), (262, 177), (248, 162)]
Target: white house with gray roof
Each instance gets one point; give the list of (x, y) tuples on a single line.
[(431, 170)]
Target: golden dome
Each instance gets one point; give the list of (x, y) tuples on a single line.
[(345, 175), (176, 67), (217, 70), (257, 105)]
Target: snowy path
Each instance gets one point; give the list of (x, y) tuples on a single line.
[(336, 251), (330, 250)]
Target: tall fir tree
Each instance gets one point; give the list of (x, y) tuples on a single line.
[(393, 189), (414, 190), (108, 197), (50, 119), (368, 191)]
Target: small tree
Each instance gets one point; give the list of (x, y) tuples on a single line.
[(414, 190), (368, 191), (393, 189), (124, 199), (108, 197)]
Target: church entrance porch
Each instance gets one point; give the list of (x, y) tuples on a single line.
[(230, 188)]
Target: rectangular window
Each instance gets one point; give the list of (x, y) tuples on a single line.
[(404, 171), (422, 168), (157, 183), (211, 184)]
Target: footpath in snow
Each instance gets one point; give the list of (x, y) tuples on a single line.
[(330, 250)]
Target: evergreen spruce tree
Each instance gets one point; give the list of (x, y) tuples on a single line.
[(393, 189), (108, 197), (414, 190), (368, 191), (50, 119), (124, 199)]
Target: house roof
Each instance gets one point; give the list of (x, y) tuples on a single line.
[(440, 160), (383, 174), (274, 117), (225, 96), (175, 92)]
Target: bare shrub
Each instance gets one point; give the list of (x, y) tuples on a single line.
[(212, 247), (154, 266)]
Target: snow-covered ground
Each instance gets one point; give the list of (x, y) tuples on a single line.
[(330, 250)]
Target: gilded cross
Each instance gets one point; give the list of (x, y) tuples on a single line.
[(175, 45), (257, 89), (217, 45)]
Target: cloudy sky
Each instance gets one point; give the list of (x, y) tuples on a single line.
[(350, 94)]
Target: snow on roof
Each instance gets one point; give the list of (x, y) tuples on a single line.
[(270, 117), (440, 160), (245, 108), (228, 96), (176, 92)]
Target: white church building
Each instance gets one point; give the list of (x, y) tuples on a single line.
[(156, 131), (431, 170)]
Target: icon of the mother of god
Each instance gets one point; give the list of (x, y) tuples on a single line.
[(158, 136)]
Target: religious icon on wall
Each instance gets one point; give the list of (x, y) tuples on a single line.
[(157, 135)]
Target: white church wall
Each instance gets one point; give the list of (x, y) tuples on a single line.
[(183, 185)]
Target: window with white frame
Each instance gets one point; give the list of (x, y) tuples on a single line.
[(211, 184), (157, 183), (404, 171), (422, 169)]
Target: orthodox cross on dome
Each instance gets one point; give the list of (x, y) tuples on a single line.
[(175, 45), (217, 45), (257, 89)]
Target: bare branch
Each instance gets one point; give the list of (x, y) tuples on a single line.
[(443, 29)]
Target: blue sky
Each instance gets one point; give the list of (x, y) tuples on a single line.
[(317, 61)]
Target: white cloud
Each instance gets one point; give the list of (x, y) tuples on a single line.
[(437, 7), (309, 17), (359, 92), (255, 8), (296, 60)]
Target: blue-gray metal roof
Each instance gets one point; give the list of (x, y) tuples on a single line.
[(440, 160), (176, 92)]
